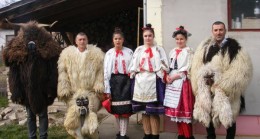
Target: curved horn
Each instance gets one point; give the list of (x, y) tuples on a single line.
[(47, 25), (14, 24)]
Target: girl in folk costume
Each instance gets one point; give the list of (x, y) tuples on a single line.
[(117, 81), (179, 100), (147, 68)]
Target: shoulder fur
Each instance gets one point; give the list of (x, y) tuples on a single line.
[(197, 62), (95, 53), (231, 47)]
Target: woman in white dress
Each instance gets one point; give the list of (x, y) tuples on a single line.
[(148, 68), (179, 99), (117, 81)]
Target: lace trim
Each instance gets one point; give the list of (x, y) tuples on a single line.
[(118, 103), (185, 120)]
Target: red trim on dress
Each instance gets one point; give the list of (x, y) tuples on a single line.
[(150, 52), (116, 62)]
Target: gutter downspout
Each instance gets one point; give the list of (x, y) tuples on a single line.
[(145, 12)]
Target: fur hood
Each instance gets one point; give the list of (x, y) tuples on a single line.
[(232, 69), (17, 51), (80, 71)]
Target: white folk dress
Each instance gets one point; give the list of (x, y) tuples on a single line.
[(148, 66), (178, 95)]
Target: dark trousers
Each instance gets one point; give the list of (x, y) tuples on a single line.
[(43, 123), (231, 132)]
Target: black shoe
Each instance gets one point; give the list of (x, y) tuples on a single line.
[(118, 134), (123, 137), (147, 136), (192, 137), (181, 137), (211, 137), (155, 137)]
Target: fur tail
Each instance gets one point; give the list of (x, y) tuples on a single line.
[(222, 112), (90, 125), (203, 102)]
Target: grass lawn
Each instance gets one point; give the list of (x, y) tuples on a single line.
[(20, 132), (3, 102)]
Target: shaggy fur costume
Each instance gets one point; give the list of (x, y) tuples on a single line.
[(81, 76), (33, 72), (232, 70)]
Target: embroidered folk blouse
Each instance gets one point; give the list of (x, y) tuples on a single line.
[(151, 59)]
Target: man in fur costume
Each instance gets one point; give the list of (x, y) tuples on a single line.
[(32, 58), (80, 84), (220, 73)]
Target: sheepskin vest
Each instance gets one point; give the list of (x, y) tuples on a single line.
[(232, 70), (80, 71)]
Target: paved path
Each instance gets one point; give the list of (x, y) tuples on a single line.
[(108, 130)]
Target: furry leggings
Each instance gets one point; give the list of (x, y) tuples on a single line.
[(184, 129), (151, 124), (122, 124)]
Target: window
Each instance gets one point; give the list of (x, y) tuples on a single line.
[(244, 15), (9, 38)]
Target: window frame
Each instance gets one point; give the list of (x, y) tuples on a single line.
[(230, 21)]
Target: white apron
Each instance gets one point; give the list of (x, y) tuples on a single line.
[(145, 87), (173, 92)]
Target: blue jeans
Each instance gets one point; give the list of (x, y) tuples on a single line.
[(43, 123)]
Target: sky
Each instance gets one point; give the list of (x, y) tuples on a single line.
[(4, 3)]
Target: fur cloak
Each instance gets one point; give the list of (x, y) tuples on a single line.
[(33, 72), (81, 76), (232, 70)]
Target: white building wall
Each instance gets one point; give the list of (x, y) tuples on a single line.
[(197, 17), (3, 34), (154, 17)]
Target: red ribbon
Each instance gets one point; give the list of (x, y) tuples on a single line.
[(149, 50), (180, 29), (119, 52), (116, 62), (146, 28), (177, 52)]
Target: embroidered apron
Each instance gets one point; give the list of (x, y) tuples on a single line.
[(145, 87), (173, 92)]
